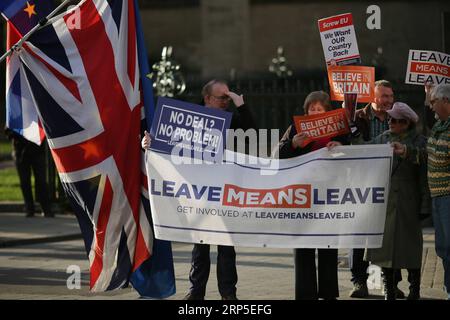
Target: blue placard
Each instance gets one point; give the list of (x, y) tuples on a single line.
[(188, 129)]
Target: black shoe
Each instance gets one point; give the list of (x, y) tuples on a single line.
[(414, 284), (49, 214), (359, 290), (191, 296), (29, 215), (47, 211), (230, 297), (392, 293), (399, 294), (388, 295), (413, 295), (390, 287)]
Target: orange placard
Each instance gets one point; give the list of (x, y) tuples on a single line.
[(329, 124), (351, 79)]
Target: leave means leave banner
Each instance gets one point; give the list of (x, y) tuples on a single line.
[(320, 200)]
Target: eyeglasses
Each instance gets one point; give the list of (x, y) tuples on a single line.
[(393, 120), (222, 98)]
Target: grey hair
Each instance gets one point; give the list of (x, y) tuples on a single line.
[(383, 83), (207, 89), (441, 91)]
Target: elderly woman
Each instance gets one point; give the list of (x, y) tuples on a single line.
[(408, 200), (305, 259)]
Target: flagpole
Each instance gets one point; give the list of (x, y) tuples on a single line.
[(41, 24)]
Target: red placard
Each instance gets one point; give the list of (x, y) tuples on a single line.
[(351, 79), (334, 22), (325, 125)]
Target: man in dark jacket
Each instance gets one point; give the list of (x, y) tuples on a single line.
[(372, 120), (216, 94), (29, 156)]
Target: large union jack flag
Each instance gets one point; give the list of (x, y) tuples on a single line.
[(86, 84)]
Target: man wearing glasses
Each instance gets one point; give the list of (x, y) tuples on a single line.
[(216, 94), (438, 150)]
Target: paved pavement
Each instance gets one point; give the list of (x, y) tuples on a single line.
[(16, 230), (35, 254)]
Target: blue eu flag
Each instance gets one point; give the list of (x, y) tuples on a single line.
[(25, 14)]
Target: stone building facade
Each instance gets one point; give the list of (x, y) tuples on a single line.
[(219, 37)]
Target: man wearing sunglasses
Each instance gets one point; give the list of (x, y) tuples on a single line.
[(216, 94)]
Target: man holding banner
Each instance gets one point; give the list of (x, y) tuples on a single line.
[(216, 95)]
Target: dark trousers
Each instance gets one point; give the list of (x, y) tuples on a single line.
[(305, 274), (28, 159), (359, 267), (441, 221), (226, 270), (413, 276)]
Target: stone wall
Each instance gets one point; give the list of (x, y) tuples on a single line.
[(216, 37)]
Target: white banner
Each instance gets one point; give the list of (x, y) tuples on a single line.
[(320, 200)]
